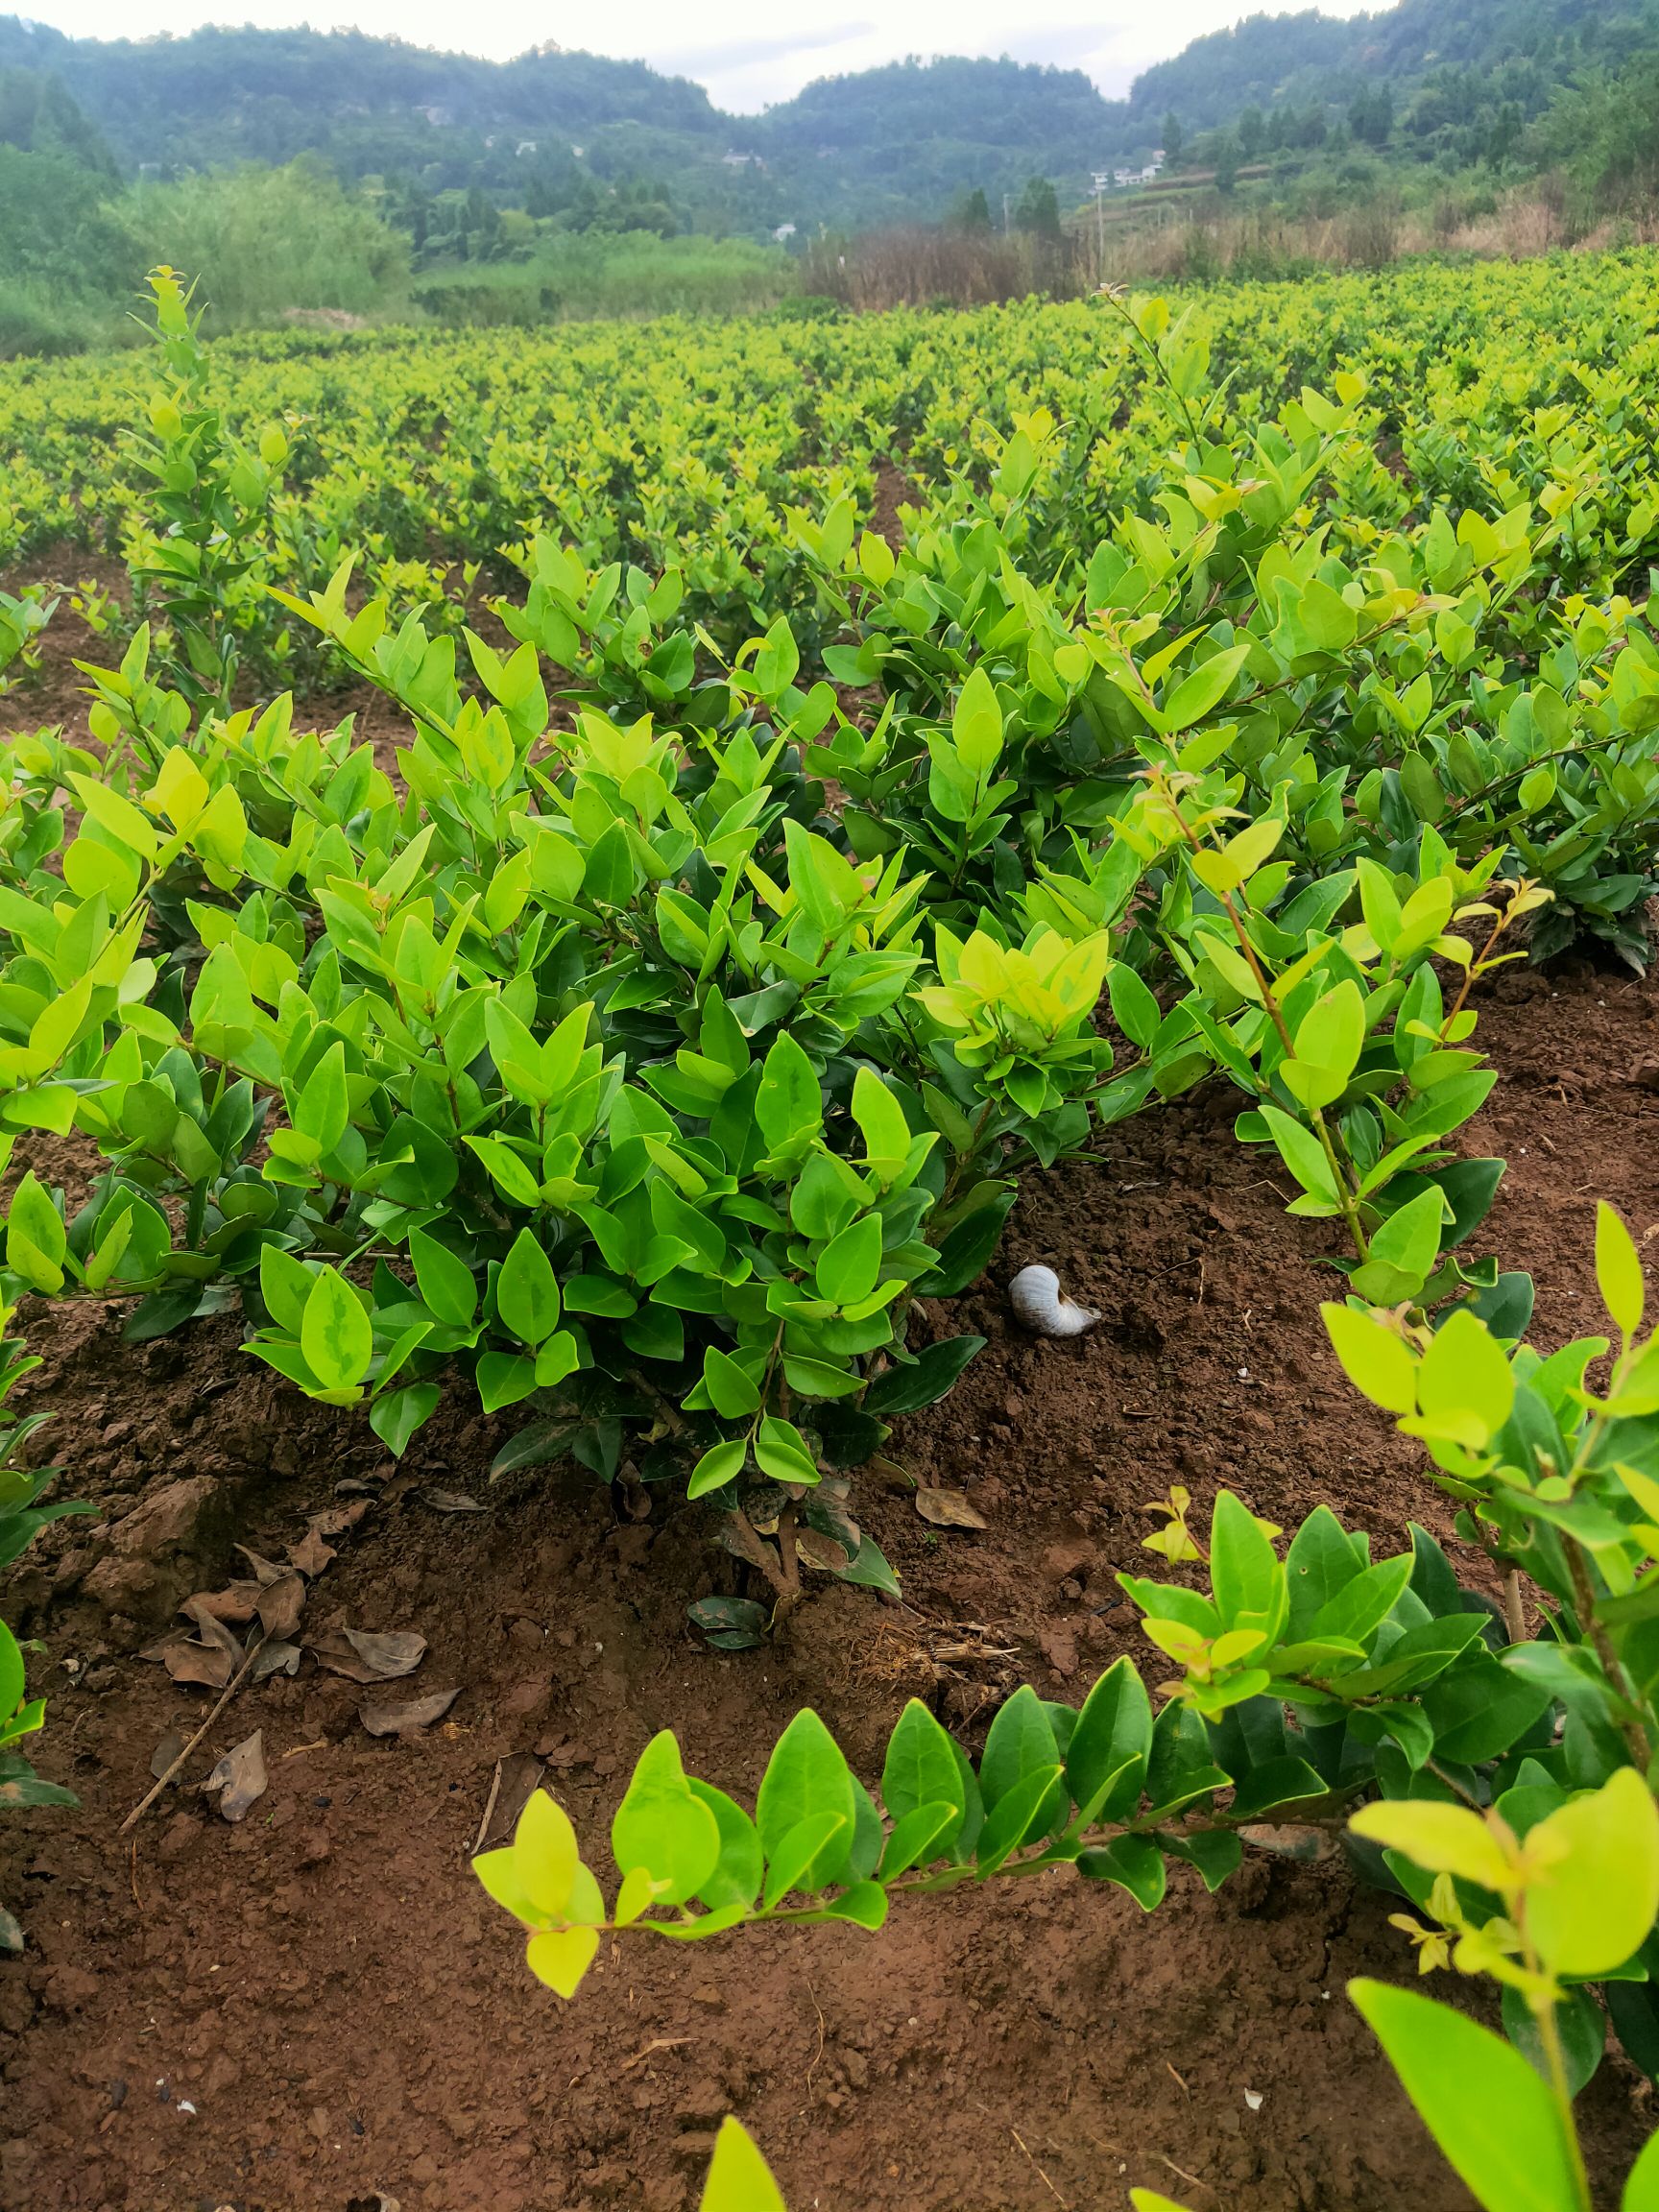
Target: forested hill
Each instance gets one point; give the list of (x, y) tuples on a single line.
[(892, 142), (551, 129), (268, 95), (1505, 47)]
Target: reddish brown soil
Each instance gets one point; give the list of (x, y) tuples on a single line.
[(56, 692), (346, 2013), (894, 493)]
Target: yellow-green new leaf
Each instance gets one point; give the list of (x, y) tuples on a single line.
[(1465, 1387), (562, 1958), (499, 1872), (1380, 1364), (1489, 2112), (545, 1855), (977, 725), (739, 2180), (1202, 689), (1641, 2184), (1595, 1893), (1441, 1839), (1618, 1271)]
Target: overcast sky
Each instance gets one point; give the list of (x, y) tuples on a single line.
[(735, 47)]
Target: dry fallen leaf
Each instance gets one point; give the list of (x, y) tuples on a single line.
[(165, 1752), (450, 1502), (947, 1508), (337, 1519), (239, 1602), (213, 1631), (187, 1660), (363, 1656), (632, 1498), (281, 1603), (821, 1550), (266, 1570), (210, 1662), (406, 1719), (310, 1555), (893, 1475), (240, 1776), (275, 1658), (1290, 1839), (519, 1776)]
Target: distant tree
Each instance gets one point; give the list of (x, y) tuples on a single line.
[(1226, 160), (1037, 209), (1504, 135), (973, 211), (1606, 131), (1371, 115), (1252, 129), (266, 240), (1174, 139), (54, 225), (38, 116)]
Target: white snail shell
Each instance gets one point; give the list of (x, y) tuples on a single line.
[(1036, 1298)]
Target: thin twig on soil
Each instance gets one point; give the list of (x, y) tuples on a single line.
[(1037, 2171), (484, 1824), (1266, 1183), (819, 2052), (228, 1691), (1180, 2173), (656, 2043)]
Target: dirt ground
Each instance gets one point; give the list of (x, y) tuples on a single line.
[(317, 2010)]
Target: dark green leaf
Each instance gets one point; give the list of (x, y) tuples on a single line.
[(738, 1871), (1479, 1711), (1021, 1740), (907, 1389), (1112, 1738), (1287, 1781), (967, 1250), (1022, 1814), (806, 1776), (730, 1624), (1580, 2023), (1134, 1863)]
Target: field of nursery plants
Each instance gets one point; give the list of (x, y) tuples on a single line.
[(831, 1194)]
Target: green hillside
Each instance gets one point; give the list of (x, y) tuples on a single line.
[(333, 172), (1263, 60), (1447, 67), (889, 143), (559, 133)]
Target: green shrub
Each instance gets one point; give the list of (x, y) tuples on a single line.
[(1498, 1784), (266, 241)]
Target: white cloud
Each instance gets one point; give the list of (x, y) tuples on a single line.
[(739, 51)]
